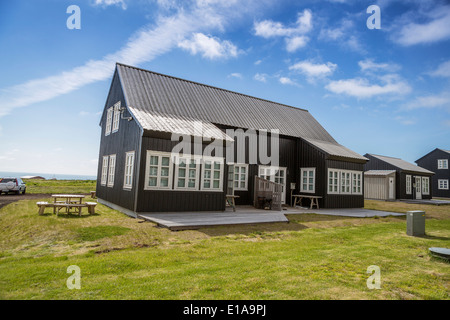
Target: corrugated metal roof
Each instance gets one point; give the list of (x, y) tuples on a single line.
[(448, 151), (335, 149), (379, 172), (151, 95), (402, 164), (153, 121), (153, 92)]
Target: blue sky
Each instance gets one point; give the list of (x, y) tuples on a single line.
[(383, 91)]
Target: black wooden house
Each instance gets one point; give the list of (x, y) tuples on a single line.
[(409, 182), (438, 161), (144, 111)]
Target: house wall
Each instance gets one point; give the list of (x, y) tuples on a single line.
[(377, 187), (400, 178), (127, 138), (430, 162), (174, 200)]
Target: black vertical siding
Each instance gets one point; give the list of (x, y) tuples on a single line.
[(127, 138), (174, 200), (430, 162), (400, 178)]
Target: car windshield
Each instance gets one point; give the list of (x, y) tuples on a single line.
[(6, 180)]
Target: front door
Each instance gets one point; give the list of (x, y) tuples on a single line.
[(391, 188), (277, 175), (418, 188)]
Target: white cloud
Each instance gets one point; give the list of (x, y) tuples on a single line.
[(344, 34), (430, 102), (436, 29), (285, 80), (143, 46), (106, 3), (313, 70), (262, 77), (294, 35), (295, 43), (258, 62), (209, 47), (235, 75), (269, 28), (370, 65), (361, 88), (443, 70)]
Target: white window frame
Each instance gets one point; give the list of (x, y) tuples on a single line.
[(443, 184), (335, 184), (111, 170), (104, 177), (109, 116), (211, 177), (308, 183), (442, 164), (358, 181), (408, 184), (129, 170), (345, 183), (239, 179), (116, 117), (158, 176), (425, 185), (187, 177)]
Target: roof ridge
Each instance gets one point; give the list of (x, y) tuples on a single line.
[(379, 155), (213, 87)]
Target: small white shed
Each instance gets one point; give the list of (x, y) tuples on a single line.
[(379, 184)]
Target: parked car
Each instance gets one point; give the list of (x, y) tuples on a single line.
[(12, 185)]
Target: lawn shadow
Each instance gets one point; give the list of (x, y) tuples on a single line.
[(251, 229)]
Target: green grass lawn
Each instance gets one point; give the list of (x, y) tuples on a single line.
[(312, 257), (60, 186)]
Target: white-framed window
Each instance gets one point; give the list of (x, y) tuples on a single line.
[(158, 172), (333, 181), (443, 184), (212, 174), (240, 177), (109, 116), (356, 182), (408, 184), (104, 170), (442, 163), (116, 117), (187, 171), (129, 165), (344, 181), (111, 170), (308, 180), (425, 185), (346, 186)]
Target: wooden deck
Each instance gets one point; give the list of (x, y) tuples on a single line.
[(195, 220)]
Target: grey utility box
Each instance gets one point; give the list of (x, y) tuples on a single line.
[(415, 223)]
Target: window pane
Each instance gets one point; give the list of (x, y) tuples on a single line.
[(243, 184), (165, 161), (207, 174), (191, 183), (236, 169), (153, 171), (207, 164), (181, 182), (217, 165), (182, 163), (154, 160), (164, 182), (152, 182), (192, 173), (243, 169), (182, 173), (207, 184), (164, 172), (216, 184), (216, 174)]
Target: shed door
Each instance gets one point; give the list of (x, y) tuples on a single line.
[(391, 188), (418, 188)]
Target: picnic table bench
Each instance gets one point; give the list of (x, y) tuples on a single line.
[(71, 201), (314, 200)]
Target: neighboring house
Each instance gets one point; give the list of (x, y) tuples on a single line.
[(139, 171), (438, 161), (408, 182)]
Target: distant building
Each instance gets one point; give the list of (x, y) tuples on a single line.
[(389, 178), (438, 161), (33, 177)]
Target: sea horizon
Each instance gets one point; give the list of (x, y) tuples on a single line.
[(48, 176)]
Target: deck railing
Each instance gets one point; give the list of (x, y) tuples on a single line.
[(267, 192)]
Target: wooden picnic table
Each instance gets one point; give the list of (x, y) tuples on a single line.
[(314, 200), (230, 200), (67, 201)]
